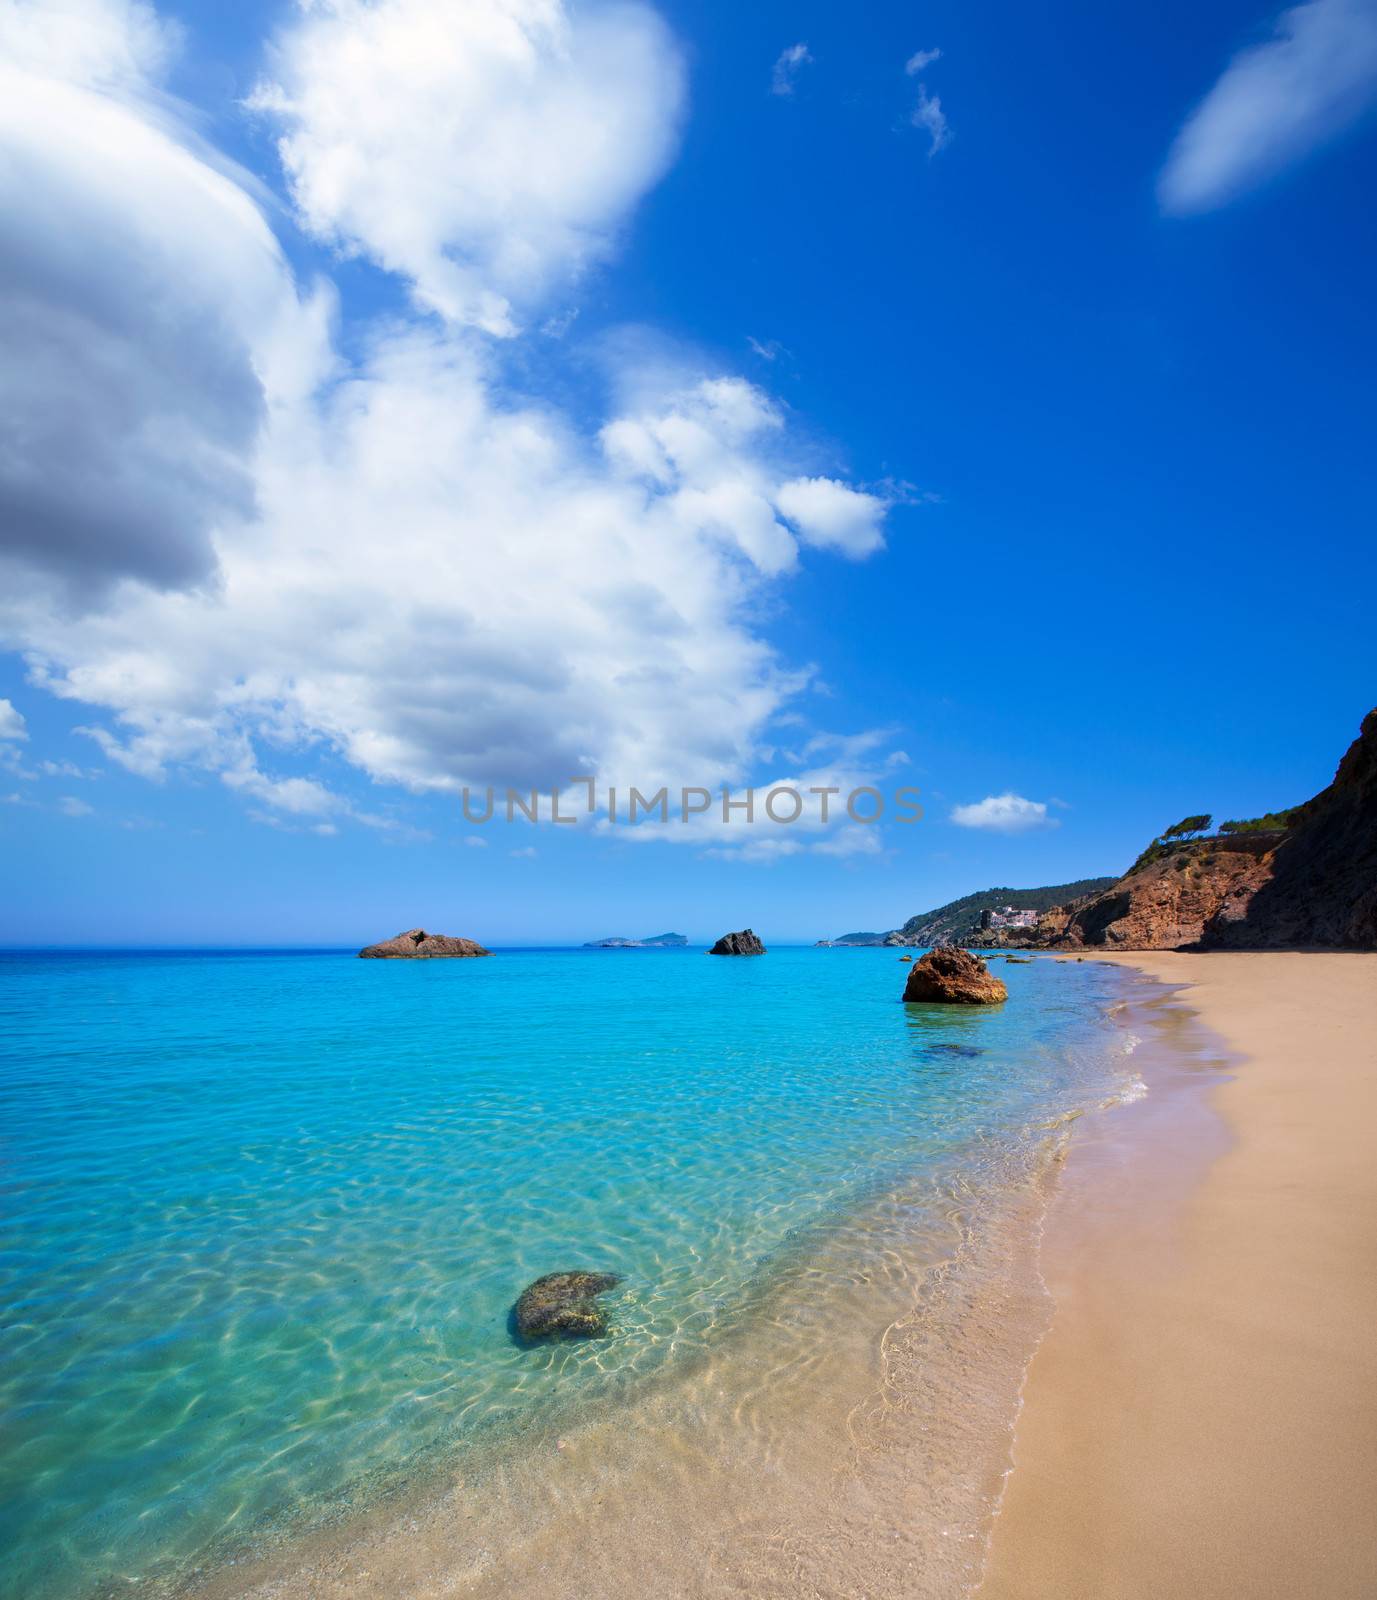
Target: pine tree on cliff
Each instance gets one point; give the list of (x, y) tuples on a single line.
[(1188, 827)]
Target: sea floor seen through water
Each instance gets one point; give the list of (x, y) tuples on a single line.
[(266, 1216)]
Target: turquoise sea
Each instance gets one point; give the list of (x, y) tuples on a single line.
[(265, 1214)]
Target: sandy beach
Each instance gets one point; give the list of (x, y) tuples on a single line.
[(1201, 1419)]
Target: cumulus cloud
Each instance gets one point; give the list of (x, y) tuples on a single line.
[(246, 551), (446, 586), (786, 68), (12, 724), (70, 806), (144, 302), (832, 516), (481, 149), (1004, 813), (1275, 103)]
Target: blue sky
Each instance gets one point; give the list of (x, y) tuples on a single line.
[(643, 395)]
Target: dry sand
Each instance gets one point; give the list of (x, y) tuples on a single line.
[(1201, 1420)]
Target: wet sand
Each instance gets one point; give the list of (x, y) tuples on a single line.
[(1201, 1418)]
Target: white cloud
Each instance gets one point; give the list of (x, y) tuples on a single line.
[(70, 806), (1275, 103), (766, 349), (928, 114), (112, 45), (828, 770), (919, 60), (474, 842), (11, 722), (525, 853), (446, 586), (786, 68), (832, 516), (245, 550), (1004, 813), (144, 303), (302, 797), (483, 149)]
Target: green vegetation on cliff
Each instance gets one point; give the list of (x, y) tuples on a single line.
[(959, 918), (1193, 830)]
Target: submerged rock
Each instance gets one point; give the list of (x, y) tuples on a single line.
[(563, 1305), (744, 943), (950, 976), (418, 945)]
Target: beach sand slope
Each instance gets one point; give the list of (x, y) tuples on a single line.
[(1201, 1420)]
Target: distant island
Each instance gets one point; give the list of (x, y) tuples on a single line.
[(657, 941), (990, 917)]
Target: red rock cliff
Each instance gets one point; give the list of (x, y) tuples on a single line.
[(1313, 886)]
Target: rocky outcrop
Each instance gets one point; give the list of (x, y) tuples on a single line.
[(1165, 904), (1320, 888), (744, 943), (953, 977), (418, 945), (1309, 885), (564, 1305)]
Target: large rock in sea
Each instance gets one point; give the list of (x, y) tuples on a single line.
[(744, 943), (418, 945), (563, 1305), (953, 977)]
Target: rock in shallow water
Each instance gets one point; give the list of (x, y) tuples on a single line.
[(949, 976), (744, 943), (563, 1305)]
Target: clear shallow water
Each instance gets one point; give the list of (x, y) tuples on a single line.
[(265, 1215)]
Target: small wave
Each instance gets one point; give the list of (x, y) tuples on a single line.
[(1129, 1094)]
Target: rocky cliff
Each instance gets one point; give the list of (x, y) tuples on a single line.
[(1310, 885)]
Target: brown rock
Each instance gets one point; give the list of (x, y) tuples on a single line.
[(1166, 904), (1319, 890), (744, 943), (418, 945), (563, 1305), (950, 976), (1312, 885)]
